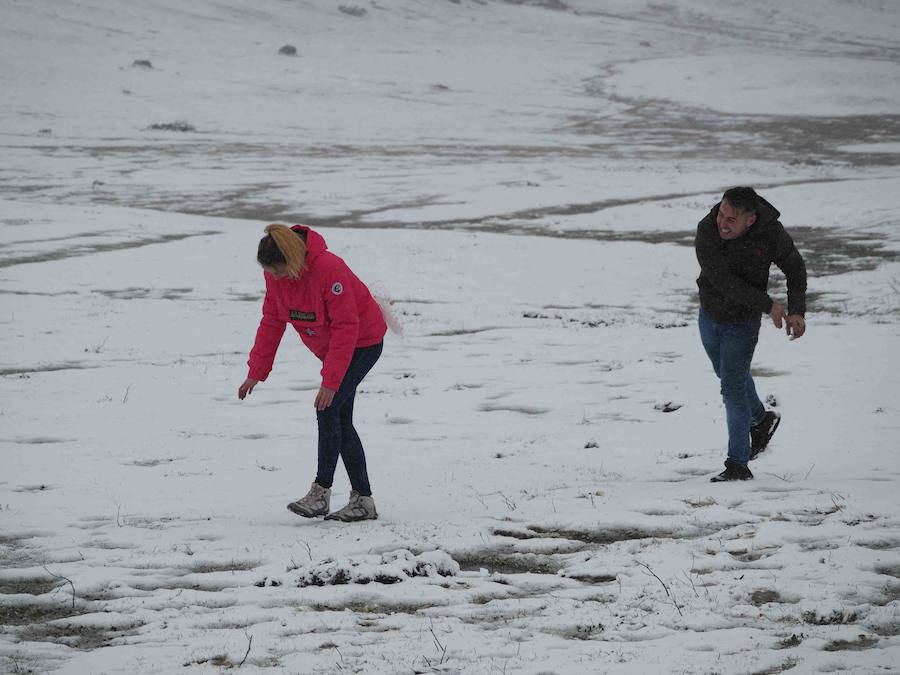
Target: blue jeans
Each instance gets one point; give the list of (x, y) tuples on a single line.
[(337, 436), (730, 347)]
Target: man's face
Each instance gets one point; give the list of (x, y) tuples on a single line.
[(732, 223)]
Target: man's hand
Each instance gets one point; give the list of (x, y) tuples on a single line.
[(777, 314), (795, 326), (324, 398), (247, 387)]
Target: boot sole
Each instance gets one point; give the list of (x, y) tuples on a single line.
[(296, 510), (774, 429), (757, 453), (716, 479), (331, 516)]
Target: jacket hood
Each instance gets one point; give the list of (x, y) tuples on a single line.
[(766, 215), (315, 243)]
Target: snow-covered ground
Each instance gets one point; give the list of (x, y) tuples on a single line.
[(522, 180)]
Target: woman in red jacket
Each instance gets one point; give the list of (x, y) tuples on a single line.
[(339, 320)]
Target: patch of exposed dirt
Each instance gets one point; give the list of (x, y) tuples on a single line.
[(90, 249), (859, 644), (370, 605), (48, 368), (764, 596), (77, 635), (32, 613), (497, 562), (786, 665), (231, 566), (28, 585), (649, 128), (602, 537), (888, 570)]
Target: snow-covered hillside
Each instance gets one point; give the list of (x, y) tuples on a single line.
[(522, 180)]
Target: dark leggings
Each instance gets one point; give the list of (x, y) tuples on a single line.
[(336, 433)]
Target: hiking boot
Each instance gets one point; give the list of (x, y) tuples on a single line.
[(732, 472), (761, 433), (315, 503), (358, 508)]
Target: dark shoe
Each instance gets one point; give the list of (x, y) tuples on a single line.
[(761, 434), (732, 472)]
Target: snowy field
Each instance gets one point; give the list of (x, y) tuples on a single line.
[(522, 180)]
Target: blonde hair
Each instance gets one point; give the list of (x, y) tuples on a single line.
[(282, 245)]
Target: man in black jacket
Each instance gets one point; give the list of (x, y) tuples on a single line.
[(736, 243)]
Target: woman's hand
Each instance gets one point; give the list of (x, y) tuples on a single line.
[(247, 387), (324, 397)]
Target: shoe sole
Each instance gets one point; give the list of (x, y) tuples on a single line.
[(298, 511), (754, 455), (774, 429), (350, 520)]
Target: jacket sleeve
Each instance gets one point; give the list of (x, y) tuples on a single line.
[(343, 317), (714, 266), (789, 261), (268, 336)]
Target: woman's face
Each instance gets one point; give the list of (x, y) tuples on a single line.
[(278, 270)]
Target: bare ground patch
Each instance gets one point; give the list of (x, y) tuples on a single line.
[(90, 249), (784, 666), (41, 487), (152, 462), (891, 570), (370, 605), (28, 585), (859, 644), (523, 409), (650, 128), (231, 566), (883, 544), (37, 612), (502, 562), (48, 368), (15, 554), (764, 596), (78, 635), (599, 537)]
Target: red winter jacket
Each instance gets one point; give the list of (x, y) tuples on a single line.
[(331, 309)]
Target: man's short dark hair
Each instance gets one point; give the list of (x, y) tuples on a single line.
[(743, 199)]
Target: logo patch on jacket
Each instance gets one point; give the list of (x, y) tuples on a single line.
[(337, 288), (297, 315)]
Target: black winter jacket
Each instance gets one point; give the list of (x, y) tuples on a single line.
[(734, 274)]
